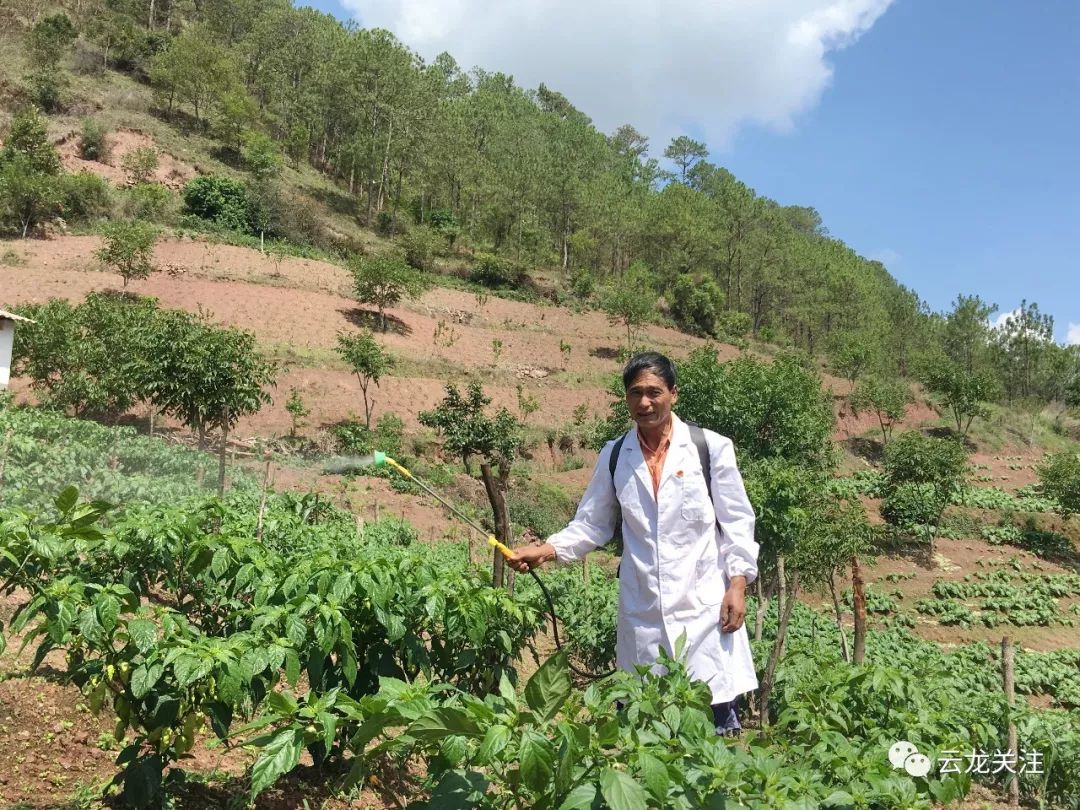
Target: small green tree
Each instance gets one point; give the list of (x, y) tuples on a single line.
[(206, 376), (1059, 478), (28, 137), (298, 411), (421, 245), (383, 281), (129, 248), (886, 399), (368, 361), (93, 143), (629, 301), (527, 403), (468, 431), (565, 349), (922, 474), (261, 155), (851, 357), (27, 197), (965, 393), (84, 358), (696, 303), (50, 39), (139, 165), (769, 410)]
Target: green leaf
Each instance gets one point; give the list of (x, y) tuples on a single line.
[(537, 759), (142, 782), (282, 703), (583, 797), (443, 722), (549, 687), (143, 679), (620, 791), (494, 742), (66, 501), (143, 633), (458, 790), (654, 774), (280, 756)]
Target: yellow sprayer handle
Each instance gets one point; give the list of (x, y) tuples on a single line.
[(502, 547)]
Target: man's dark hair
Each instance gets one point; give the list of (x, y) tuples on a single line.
[(649, 361)]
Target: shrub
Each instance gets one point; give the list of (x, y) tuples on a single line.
[(583, 284), (446, 224), (149, 201), (696, 303), (261, 155), (93, 141), (140, 164), (922, 474), (84, 197), (389, 431), (911, 505), (422, 245), (219, 200), (733, 325), (495, 271), (1059, 478), (352, 437), (129, 248), (544, 508), (46, 88)]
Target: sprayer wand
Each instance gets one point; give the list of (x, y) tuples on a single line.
[(381, 459)]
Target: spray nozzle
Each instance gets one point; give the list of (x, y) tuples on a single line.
[(380, 458)]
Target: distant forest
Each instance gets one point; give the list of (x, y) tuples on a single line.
[(524, 174)]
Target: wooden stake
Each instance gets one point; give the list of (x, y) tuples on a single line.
[(262, 498), (1010, 699)]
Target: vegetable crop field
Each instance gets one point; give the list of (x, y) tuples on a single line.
[(295, 641)]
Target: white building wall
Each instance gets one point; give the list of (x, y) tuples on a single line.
[(7, 338)]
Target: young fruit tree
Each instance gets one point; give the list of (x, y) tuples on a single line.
[(207, 376), (129, 248), (886, 399), (383, 281), (368, 361), (468, 431)]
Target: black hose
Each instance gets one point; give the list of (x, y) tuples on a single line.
[(589, 676)]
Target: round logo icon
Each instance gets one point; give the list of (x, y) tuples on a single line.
[(899, 753), (917, 765)]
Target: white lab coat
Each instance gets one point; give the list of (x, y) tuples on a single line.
[(675, 562)]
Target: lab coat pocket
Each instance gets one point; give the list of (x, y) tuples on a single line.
[(708, 582)]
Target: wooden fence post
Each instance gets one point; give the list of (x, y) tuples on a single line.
[(1010, 699)]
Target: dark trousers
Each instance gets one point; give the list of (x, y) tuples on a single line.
[(726, 718)]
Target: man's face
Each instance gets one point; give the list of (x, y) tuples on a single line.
[(650, 400)]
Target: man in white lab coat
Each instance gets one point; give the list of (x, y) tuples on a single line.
[(686, 562)]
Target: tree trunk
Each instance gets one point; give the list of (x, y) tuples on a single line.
[(858, 596), (762, 607), (1010, 699), (781, 585), (777, 651), (839, 620), (497, 499)]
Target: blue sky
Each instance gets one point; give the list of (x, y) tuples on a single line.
[(939, 137)]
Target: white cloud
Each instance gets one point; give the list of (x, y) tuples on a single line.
[(999, 321), (1072, 335), (707, 66)]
